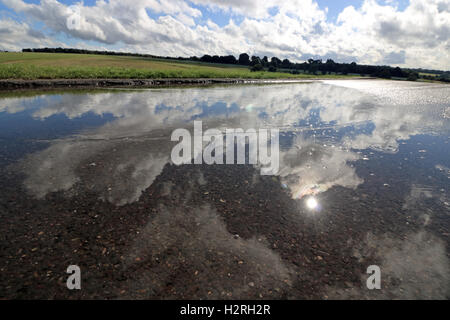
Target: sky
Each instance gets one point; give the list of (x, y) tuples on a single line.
[(405, 33)]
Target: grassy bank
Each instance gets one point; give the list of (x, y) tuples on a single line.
[(79, 66)]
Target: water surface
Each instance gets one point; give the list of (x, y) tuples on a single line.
[(86, 179)]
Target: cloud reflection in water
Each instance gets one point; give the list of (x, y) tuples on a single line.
[(324, 124)]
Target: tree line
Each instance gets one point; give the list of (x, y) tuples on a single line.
[(255, 63), (312, 66)]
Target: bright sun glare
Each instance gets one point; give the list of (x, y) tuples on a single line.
[(311, 203)]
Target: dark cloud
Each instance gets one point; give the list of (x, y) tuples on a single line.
[(394, 58)]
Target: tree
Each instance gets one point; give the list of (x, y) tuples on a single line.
[(412, 76), (397, 72), (265, 61), (206, 58), (257, 67), (383, 72), (286, 63), (255, 60), (353, 68), (244, 59), (275, 62), (229, 59), (330, 65)]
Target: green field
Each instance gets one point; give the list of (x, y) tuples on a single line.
[(428, 74), (29, 65)]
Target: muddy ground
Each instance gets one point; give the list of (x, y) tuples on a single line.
[(222, 232)]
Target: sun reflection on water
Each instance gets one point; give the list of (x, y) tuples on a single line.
[(312, 203)]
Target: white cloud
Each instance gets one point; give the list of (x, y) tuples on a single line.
[(375, 33), (421, 31), (11, 30)]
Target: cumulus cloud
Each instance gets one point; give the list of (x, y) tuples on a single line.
[(11, 31), (422, 27), (297, 29)]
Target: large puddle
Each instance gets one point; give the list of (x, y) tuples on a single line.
[(86, 178)]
